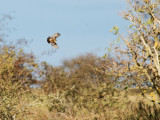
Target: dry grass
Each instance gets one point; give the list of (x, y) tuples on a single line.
[(40, 104)]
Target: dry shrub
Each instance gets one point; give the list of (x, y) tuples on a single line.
[(16, 70), (143, 111), (83, 86)]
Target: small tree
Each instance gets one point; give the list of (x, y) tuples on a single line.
[(141, 63)]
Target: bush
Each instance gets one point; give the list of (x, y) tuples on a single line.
[(16, 69), (145, 112)]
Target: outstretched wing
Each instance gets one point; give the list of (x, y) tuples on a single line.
[(54, 45), (56, 35)]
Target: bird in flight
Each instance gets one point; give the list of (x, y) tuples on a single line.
[(52, 39)]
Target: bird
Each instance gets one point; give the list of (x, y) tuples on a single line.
[(53, 39)]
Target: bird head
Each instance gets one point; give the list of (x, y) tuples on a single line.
[(48, 39)]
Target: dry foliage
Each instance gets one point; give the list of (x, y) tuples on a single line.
[(88, 87), (140, 61)]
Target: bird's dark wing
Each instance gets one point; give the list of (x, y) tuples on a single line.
[(48, 39)]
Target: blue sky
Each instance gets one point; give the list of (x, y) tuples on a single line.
[(84, 25)]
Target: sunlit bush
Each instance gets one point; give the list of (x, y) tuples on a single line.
[(16, 75)]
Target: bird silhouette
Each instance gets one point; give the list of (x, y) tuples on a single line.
[(52, 39)]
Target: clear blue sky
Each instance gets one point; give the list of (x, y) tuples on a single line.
[(84, 25)]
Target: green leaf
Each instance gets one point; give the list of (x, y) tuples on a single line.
[(115, 30), (105, 55), (149, 21), (130, 26)]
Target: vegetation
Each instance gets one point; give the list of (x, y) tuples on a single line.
[(141, 53), (122, 86)]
